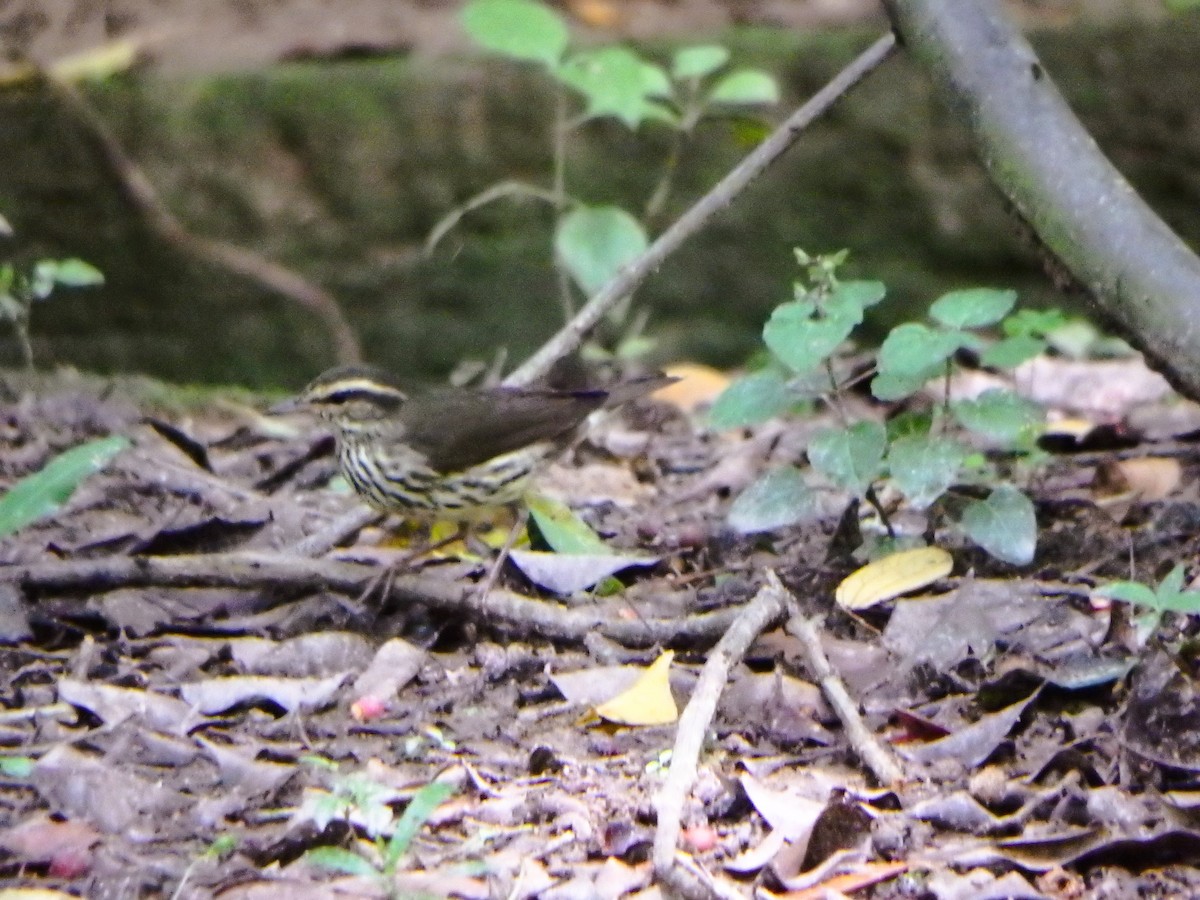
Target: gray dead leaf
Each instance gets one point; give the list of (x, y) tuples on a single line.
[(591, 687), (219, 694), (104, 793), (116, 704), (241, 769), (307, 656), (566, 573), (980, 884), (394, 665), (971, 744)]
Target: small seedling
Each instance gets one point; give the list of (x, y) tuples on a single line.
[(593, 241), (921, 455), (1154, 602), (367, 804), (21, 288)]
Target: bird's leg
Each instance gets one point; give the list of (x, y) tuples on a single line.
[(393, 568), (485, 586)]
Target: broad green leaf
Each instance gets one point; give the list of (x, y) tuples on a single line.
[(564, 531), (77, 273), (750, 400), (746, 87), (42, 493), (890, 386), (422, 805), (924, 467), (1012, 351), (972, 308), (339, 859), (998, 415), (1004, 525), (1033, 322), (696, 62), (776, 500), (614, 81), (519, 29), (912, 348), (802, 336), (1129, 592), (911, 423), (862, 294), (593, 243), (851, 457)]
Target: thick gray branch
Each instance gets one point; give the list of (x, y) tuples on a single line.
[(1142, 277)]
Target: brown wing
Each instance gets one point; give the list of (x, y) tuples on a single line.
[(456, 429)]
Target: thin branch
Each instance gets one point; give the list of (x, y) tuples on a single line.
[(136, 188), (767, 606), (883, 764), (733, 184), (286, 571), (496, 192)]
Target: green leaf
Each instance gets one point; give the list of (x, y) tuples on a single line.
[(77, 273), (890, 386), (518, 29), (998, 415), (862, 294), (1004, 525), (776, 500), (1012, 351), (746, 87), (802, 336), (564, 531), (1129, 592), (851, 457), (924, 467), (593, 243), (42, 493), (1033, 322), (972, 308), (913, 349), (16, 766), (423, 804), (339, 859), (698, 61), (616, 82), (750, 400)]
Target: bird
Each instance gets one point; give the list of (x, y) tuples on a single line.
[(451, 454)]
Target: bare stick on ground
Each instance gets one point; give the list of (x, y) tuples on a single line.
[(767, 606), (259, 571), (733, 184), (870, 750)]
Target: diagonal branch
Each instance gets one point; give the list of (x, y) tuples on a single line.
[(1141, 276), (568, 339)]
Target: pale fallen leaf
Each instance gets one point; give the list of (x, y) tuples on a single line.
[(698, 385), (892, 576), (648, 701)]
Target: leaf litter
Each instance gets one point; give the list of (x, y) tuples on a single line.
[(1048, 752)]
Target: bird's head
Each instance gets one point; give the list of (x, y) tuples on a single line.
[(348, 396)]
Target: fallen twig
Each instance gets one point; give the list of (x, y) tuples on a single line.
[(246, 570), (883, 764), (767, 605)]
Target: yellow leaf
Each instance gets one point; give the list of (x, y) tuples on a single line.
[(648, 701), (892, 576), (99, 62), (698, 385)]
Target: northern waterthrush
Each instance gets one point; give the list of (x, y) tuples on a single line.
[(450, 453)]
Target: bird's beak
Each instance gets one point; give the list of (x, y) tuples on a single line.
[(284, 407)]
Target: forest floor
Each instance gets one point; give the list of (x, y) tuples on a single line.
[(198, 701)]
